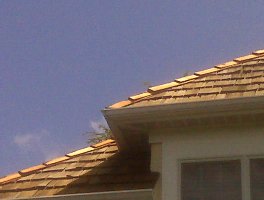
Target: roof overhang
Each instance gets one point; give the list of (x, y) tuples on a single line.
[(143, 194), (129, 119)]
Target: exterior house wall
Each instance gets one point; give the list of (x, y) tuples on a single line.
[(156, 166), (202, 144)]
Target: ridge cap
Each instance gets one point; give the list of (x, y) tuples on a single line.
[(186, 79)]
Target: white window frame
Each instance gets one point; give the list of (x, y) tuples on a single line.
[(245, 171)]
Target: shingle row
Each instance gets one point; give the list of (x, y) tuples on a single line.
[(102, 169), (243, 74)]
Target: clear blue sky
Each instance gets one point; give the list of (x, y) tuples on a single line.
[(63, 61)]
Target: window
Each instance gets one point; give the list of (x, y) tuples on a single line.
[(218, 180), (257, 179)]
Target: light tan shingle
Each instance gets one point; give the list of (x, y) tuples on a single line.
[(240, 77), (96, 169)]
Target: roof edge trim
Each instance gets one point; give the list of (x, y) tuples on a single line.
[(139, 96), (261, 51), (162, 87), (10, 177), (140, 194), (135, 114), (56, 160), (245, 58)]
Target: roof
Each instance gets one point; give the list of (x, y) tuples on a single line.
[(241, 77), (97, 168)]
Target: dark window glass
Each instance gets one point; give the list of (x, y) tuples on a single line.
[(257, 179), (213, 180)]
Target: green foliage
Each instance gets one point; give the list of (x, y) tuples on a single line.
[(100, 135), (103, 132)]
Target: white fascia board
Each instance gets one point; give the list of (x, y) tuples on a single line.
[(144, 194), (186, 110)]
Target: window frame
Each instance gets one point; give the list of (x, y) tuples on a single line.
[(244, 165), (251, 158)]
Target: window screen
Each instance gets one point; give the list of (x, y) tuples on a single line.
[(257, 179), (217, 180)]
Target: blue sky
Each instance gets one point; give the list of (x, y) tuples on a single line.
[(61, 62)]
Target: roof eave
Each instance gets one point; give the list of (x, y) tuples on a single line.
[(183, 110), (145, 194), (180, 111)]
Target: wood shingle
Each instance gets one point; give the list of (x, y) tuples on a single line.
[(242, 77), (99, 168)]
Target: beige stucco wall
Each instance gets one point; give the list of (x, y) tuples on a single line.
[(203, 143), (156, 166)]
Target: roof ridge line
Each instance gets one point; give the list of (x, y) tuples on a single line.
[(177, 82), (32, 169)]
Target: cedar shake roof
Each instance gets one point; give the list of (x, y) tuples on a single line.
[(241, 77), (98, 168)]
